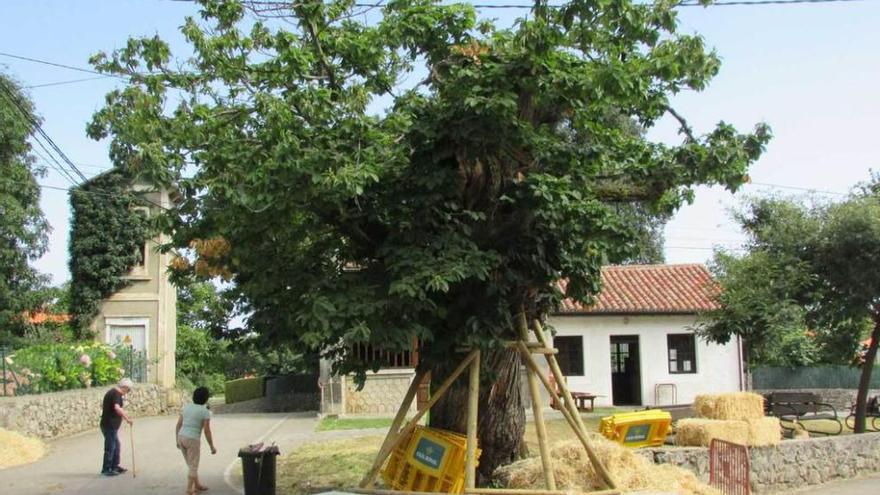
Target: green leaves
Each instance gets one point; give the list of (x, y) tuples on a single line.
[(23, 228), (810, 277), (517, 159)]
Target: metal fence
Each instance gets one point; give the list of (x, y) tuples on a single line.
[(729, 467), (134, 362), (8, 377), (766, 378)]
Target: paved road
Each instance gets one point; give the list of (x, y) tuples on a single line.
[(861, 486), (73, 463)]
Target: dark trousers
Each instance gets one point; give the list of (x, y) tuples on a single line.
[(112, 448)]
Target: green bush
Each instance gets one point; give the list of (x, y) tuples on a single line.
[(244, 389), (53, 367)]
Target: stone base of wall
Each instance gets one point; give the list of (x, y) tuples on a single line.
[(383, 393), (790, 465), (60, 414), (840, 398)]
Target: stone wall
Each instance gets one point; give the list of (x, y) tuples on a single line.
[(840, 398), (791, 464), (60, 414), (383, 393)]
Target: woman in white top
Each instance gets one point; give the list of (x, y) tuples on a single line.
[(194, 418)]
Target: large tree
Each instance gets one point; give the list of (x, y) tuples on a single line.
[(417, 177), (808, 267), (23, 229)]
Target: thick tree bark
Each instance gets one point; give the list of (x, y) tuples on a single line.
[(865, 379), (502, 417)]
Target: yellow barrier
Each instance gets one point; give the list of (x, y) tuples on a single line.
[(637, 429), (429, 460)]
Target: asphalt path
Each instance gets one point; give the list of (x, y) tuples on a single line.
[(73, 463)]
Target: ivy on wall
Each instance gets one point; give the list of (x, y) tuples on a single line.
[(105, 240)]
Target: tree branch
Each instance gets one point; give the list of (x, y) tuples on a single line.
[(684, 127)]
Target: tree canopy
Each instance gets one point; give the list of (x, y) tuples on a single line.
[(23, 228), (426, 175), (808, 289)]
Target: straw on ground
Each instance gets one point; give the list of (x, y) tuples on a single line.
[(17, 449)]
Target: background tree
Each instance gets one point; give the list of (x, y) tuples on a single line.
[(813, 268), (447, 212), (23, 228)]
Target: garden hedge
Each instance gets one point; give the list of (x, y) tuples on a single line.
[(245, 389)]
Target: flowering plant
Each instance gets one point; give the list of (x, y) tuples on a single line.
[(54, 367)]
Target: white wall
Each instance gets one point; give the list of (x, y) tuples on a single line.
[(717, 365)]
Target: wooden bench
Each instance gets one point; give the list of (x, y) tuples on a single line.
[(795, 407), (580, 398)]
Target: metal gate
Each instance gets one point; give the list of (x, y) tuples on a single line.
[(729, 467)]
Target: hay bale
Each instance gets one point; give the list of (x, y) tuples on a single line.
[(704, 405), (764, 432), (574, 471), (16, 449), (698, 432), (730, 406)]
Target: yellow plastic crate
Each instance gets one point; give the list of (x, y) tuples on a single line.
[(429, 460), (637, 429)]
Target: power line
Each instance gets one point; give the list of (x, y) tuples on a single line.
[(60, 83), (797, 188), (53, 163), (686, 3), (63, 66), (40, 131)]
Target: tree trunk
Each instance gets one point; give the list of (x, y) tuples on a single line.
[(865, 379), (502, 417)]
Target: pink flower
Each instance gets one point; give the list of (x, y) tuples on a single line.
[(85, 360), (111, 354)]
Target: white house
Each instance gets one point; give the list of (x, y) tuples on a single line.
[(636, 346)]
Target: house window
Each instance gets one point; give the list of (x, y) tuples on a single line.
[(682, 353), (571, 355)]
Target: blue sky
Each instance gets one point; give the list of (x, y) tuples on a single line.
[(811, 71)]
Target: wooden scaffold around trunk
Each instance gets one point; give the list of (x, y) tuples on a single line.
[(397, 433)]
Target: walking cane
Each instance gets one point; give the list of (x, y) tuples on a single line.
[(133, 468)]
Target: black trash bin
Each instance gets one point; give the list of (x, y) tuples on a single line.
[(258, 469)]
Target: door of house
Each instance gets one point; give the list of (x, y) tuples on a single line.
[(133, 332), (626, 379)]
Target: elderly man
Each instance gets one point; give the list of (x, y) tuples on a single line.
[(111, 419)]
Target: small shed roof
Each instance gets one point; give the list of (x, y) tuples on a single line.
[(650, 289)]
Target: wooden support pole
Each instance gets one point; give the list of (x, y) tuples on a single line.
[(470, 473), (576, 426), (537, 409), (394, 430), (383, 454), (560, 379)]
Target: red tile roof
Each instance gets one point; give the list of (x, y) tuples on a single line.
[(650, 289), (41, 317)]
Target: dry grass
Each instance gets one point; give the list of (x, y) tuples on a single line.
[(729, 406), (16, 449), (573, 471), (329, 464)]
